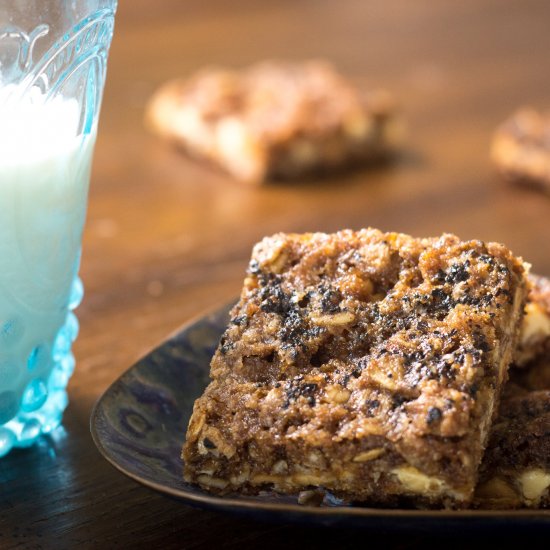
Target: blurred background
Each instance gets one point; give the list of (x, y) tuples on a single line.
[(162, 226)]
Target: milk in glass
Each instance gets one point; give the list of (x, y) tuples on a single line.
[(44, 175)]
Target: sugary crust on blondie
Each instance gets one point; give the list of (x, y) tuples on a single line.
[(535, 331), (521, 149), (366, 363), (275, 119)]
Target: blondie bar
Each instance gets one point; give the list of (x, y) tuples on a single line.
[(368, 364), (516, 467), (275, 119)]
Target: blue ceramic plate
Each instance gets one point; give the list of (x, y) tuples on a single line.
[(139, 426)]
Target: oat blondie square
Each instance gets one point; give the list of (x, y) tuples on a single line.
[(275, 119), (516, 468), (515, 471), (365, 363), (521, 149)]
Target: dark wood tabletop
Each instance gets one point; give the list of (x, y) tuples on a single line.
[(168, 238)]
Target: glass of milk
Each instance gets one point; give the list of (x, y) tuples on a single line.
[(53, 56)]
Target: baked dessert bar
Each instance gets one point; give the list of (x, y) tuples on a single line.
[(516, 468), (365, 363), (275, 119), (535, 331), (521, 149)]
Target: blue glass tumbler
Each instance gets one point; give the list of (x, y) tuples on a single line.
[(53, 56)]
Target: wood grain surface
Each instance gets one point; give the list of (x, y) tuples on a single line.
[(167, 238)]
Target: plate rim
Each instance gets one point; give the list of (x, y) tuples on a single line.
[(206, 500)]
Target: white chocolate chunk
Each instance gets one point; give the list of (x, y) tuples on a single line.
[(415, 481), (534, 483), (536, 324)]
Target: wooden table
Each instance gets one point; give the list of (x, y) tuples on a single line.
[(167, 238)]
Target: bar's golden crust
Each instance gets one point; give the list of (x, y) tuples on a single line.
[(521, 149), (274, 119), (366, 363)]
